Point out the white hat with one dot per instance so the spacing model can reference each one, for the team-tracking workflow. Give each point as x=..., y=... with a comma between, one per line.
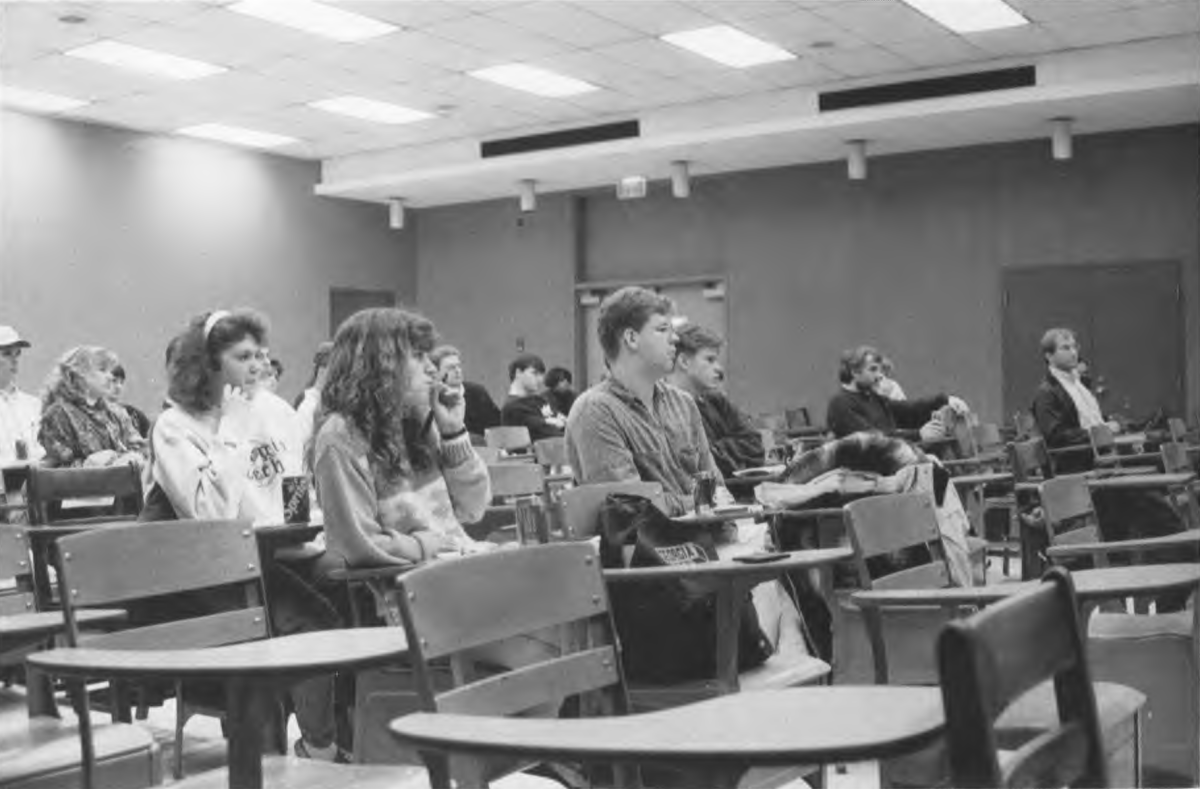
x=10, y=338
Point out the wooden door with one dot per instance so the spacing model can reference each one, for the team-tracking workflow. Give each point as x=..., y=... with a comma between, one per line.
x=1129, y=321
x=344, y=302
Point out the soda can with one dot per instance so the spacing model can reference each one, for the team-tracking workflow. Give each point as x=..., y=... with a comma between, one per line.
x=295, y=499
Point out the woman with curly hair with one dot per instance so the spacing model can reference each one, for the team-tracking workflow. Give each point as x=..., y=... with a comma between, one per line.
x=395, y=471
x=218, y=452
x=80, y=426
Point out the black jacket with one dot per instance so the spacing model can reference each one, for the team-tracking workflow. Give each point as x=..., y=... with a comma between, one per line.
x=531, y=411
x=482, y=412
x=1058, y=421
x=735, y=442
x=858, y=411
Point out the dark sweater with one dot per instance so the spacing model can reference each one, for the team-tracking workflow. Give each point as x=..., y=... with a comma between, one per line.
x=535, y=413
x=1058, y=421
x=858, y=411
x=482, y=412
x=735, y=442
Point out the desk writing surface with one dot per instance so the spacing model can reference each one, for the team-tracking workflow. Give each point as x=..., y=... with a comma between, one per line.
x=1134, y=481
x=734, y=569
x=310, y=653
x=811, y=724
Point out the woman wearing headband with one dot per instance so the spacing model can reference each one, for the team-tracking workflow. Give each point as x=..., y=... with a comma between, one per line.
x=80, y=427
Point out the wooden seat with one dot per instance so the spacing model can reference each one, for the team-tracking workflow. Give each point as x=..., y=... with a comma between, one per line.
x=1105, y=454
x=1157, y=654
x=581, y=520
x=509, y=439
x=1186, y=500
x=988, y=661
x=117, y=491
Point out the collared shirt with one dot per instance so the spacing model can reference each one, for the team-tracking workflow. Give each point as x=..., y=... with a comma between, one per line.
x=1085, y=401
x=613, y=437
x=20, y=415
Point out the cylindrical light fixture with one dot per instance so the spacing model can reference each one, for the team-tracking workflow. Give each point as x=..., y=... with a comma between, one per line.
x=856, y=160
x=396, y=213
x=1060, y=138
x=527, y=193
x=681, y=184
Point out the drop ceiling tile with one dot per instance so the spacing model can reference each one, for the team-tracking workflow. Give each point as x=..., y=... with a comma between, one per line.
x=78, y=78
x=565, y=22
x=489, y=120
x=594, y=67
x=145, y=113
x=652, y=17
x=941, y=50
x=1016, y=42
x=646, y=93
x=735, y=12
x=438, y=51
x=794, y=73
x=499, y=39
x=1046, y=10
x=864, y=62
x=330, y=147
x=41, y=21
x=159, y=10
x=731, y=83
x=1086, y=31
x=659, y=57
x=1167, y=19
x=380, y=63
x=881, y=23
x=799, y=30
x=412, y=14
x=226, y=38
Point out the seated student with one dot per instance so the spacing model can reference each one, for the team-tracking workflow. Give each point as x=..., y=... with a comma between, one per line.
x=396, y=474
x=559, y=390
x=636, y=426
x=80, y=425
x=482, y=412
x=141, y=422
x=218, y=455
x=859, y=407
x=308, y=402
x=734, y=441
x=20, y=412
x=527, y=404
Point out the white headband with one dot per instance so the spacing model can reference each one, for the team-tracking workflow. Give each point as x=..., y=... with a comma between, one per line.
x=214, y=317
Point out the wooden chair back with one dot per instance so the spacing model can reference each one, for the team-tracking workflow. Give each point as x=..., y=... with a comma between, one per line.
x=882, y=528
x=15, y=568
x=1175, y=458
x=489, y=455
x=988, y=438
x=1070, y=516
x=1103, y=440
x=551, y=453
x=515, y=479
x=581, y=504
x=1177, y=428
x=797, y=418
x=989, y=660
x=1024, y=425
x=550, y=598
x=117, y=489
x=509, y=438
x=1029, y=460
x=162, y=558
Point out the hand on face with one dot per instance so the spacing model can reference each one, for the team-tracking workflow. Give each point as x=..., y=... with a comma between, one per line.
x=449, y=409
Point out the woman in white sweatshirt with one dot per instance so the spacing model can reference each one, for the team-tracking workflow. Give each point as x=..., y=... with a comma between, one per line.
x=217, y=455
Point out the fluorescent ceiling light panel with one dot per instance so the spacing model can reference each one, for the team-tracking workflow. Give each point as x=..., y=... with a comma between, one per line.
x=37, y=101
x=371, y=110
x=323, y=20
x=159, y=64
x=236, y=135
x=729, y=45
x=534, y=80
x=970, y=16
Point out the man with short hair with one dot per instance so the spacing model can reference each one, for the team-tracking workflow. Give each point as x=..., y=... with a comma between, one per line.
x=1063, y=406
x=635, y=425
x=482, y=412
x=140, y=421
x=859, y=407
x=20, y=413
x=734, y=441
x=527, y=404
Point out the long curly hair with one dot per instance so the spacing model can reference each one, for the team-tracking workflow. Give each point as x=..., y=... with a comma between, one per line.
x=194, y=357
x=366, y=385
x=65, y=381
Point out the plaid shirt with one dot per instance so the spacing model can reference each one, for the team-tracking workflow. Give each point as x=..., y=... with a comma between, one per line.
x=613, y=437
x=73, y=430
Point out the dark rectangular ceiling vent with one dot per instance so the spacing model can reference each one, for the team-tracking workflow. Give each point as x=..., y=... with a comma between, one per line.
x=937, y=87
x=561, y=139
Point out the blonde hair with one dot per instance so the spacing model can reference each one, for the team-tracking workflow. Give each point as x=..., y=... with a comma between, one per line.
x=66, y=382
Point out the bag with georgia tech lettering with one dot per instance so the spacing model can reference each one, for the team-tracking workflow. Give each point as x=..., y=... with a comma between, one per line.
x=667, y=628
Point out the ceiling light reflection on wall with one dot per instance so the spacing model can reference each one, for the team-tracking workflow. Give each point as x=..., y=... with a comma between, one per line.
x=681, y=184
x=1060, y=138
x=631, y=187
x=371, y=110
x=856, y=160
x=317, y=18
x=729, y=46
x=970, y=16
x=396, y=213
x=236, y=135
x=527, y=195
x=37, y=101
x=534, y=80
x=149, y=61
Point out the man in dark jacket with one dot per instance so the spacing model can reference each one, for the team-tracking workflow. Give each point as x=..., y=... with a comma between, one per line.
x=482, y=412
x=734, y=441
x=527, y=404
x=858, y=407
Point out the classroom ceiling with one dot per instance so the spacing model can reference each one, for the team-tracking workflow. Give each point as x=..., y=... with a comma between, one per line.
x=718, y=117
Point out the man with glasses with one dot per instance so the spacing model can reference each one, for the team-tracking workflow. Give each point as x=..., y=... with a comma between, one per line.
x=20, y=413
x=858, y=406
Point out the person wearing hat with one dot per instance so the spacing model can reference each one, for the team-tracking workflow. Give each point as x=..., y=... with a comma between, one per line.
x=20, y=412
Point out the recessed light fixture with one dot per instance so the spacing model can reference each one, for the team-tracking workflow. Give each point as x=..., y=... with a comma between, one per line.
x=160, y=64
x=318, y=18
x=728, y=45
x=37, y=101
x=370, y=110
x=970, y=16
x=236, y=135
x=534, y=80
